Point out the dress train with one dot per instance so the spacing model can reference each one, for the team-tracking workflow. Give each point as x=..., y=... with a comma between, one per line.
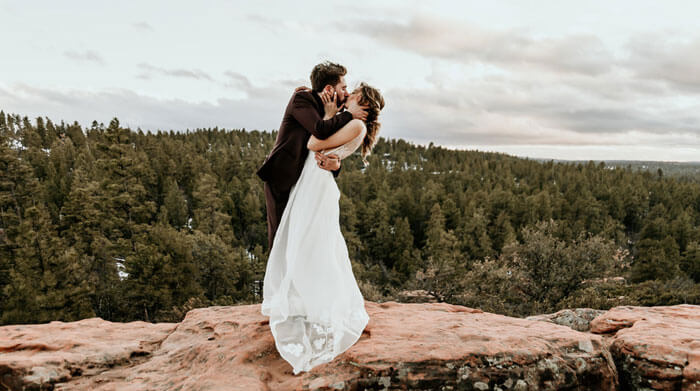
x=310, y=293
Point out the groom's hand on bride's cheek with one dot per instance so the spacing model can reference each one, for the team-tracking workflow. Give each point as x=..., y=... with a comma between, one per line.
x=358, y=111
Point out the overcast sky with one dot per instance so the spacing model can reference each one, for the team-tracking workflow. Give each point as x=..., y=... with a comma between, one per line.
x=551, y=79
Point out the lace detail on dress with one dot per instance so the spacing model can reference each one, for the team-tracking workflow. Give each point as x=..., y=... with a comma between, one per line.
x=348, y=148
x=320, y=338
x=293, y=348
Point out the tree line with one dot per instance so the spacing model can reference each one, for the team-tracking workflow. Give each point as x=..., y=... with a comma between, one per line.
x=132, y=225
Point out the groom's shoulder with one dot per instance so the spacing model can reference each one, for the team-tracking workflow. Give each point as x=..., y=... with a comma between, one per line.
x=303, y=101
x=303, y=96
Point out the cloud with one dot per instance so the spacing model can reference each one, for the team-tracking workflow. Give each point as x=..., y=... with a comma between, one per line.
x=585, y=107
x=232, y=80
x=238, y=81
x=7, y=9
x=514, y=111
x=269, y=24
x=149, y=70
x=487, y=87
x=143, y=26
x=275, y=89
x=674, y=62
x=86, y=55
x=461, y=42
x=262, y=110
x=509, y=87
x=421, y=116
x=647, y=64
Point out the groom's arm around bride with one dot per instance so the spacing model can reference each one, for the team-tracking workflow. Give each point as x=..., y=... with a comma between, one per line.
x=302, y=118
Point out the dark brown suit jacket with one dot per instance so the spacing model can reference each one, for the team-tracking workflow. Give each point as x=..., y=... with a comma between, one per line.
x=283, y=165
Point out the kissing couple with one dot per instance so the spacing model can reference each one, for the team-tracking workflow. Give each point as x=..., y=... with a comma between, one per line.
x=313, y=302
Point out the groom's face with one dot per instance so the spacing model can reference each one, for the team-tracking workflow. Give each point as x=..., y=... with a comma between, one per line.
x=342, y=90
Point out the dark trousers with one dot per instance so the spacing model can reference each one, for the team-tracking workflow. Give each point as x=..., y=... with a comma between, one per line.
x=275, y=201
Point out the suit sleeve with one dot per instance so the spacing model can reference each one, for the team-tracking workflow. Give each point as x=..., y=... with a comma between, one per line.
x=336, y=172
x=305, y=112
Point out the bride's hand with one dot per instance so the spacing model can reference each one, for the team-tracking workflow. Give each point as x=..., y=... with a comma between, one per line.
x=327, y=162
x=330, y=105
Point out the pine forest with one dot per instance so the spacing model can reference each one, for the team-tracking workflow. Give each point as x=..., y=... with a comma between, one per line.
x=145, y=225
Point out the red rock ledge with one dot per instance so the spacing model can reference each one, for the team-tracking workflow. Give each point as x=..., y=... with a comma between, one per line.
x=429, y=346
x=655, y=348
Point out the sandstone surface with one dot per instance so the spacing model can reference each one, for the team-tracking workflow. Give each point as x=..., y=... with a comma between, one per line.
x=430, y=346
x=654, y=348
x=38, y=356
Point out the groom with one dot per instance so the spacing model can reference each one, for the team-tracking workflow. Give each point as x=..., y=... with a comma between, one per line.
x=303, y=118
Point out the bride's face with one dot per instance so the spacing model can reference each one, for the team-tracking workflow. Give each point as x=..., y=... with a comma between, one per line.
x=355, y=96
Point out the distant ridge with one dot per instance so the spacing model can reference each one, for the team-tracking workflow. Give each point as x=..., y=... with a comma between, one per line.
x=667, y=167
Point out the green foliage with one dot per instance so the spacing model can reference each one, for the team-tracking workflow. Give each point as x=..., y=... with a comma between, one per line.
x=691, y=261
x=536, y=275
x=657, y=259
x=125, y=225
x=444, y=275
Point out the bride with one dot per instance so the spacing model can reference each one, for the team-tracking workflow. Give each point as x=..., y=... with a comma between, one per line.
x=315, y=307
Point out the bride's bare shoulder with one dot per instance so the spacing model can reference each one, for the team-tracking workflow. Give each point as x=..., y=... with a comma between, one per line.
x=359, y=127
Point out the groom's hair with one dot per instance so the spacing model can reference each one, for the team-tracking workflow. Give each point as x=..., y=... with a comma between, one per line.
x=326, y=73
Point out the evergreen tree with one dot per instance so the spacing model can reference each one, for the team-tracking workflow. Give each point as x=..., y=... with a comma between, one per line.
x=46, y=283
x=219, y=267
x=175, y=204
x=123, y=196
x=207, y=209
x=82, y=229
x=406, y=259
x=691, y=261
x=656, y=259
x=377, y=238
x=160, y=273
x=445, y=267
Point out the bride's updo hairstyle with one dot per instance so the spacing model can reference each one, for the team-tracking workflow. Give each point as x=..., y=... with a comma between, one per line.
x=371, y=97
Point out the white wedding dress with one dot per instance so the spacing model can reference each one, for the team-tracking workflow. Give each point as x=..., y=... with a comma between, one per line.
x=310, y=293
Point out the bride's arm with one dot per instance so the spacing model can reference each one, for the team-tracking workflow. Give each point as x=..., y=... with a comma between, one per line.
x=348, y=132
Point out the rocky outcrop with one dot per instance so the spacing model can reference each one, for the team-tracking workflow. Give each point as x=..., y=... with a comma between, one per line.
x=36, y=357
x=405, y=346
x=654, y=347
x=578, y=319
x=416, y=296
